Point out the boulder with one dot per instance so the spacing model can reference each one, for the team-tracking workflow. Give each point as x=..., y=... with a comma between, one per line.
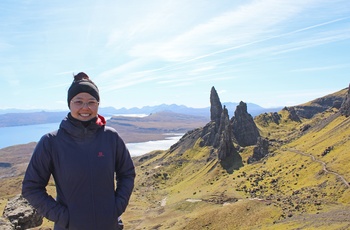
x=21, y=214
x=5, y=224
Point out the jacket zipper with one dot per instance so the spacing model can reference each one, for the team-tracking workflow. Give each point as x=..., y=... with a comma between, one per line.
x=92, y=192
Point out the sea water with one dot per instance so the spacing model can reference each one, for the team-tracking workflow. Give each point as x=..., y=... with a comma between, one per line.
x=32, y=133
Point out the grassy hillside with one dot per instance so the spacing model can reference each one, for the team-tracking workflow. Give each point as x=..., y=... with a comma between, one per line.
x=303, y=184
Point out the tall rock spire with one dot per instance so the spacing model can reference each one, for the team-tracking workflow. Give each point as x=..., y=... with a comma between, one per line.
x=244, y=128
x=215, y=106
x=228, y=156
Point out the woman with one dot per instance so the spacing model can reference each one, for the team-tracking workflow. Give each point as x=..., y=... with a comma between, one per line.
x=84, y=157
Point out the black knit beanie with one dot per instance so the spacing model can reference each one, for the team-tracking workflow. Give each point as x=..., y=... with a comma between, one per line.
x=82, y=84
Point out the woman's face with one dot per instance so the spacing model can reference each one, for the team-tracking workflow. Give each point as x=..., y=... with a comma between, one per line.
x=84, y=107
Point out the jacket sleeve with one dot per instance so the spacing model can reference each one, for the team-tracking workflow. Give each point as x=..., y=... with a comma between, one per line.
x=125, y=176
x=35, y=181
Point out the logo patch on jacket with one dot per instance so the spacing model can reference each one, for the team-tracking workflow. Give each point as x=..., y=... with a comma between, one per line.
x=100, y=154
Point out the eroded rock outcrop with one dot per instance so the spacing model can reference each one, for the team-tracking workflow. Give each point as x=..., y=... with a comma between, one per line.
x=292, y=114
x=222, y=134
x=21, y=214
x=211, y=132
x=244, y=128
x=228, y=155
x=260, y=151
x=345, y=106
x=216, y=134
x=215, y=106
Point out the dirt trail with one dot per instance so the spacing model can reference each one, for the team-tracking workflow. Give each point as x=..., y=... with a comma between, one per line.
x=324, y=165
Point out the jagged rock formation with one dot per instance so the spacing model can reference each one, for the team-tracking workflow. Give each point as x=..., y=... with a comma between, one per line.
x=292, y=114
x=276, y=117
x=21, y=214
x=216, y=134
x=224, y=138
x=228, y=155
x=260, y=150
x=244, y=128
x=212, y=132
x=345, y=106
x=215, y=106
x=266, y=118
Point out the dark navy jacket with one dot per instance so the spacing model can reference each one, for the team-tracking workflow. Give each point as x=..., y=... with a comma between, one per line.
x=84, y=162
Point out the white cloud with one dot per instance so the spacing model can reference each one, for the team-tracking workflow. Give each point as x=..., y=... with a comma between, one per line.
x=322, y=68
x=239, y=26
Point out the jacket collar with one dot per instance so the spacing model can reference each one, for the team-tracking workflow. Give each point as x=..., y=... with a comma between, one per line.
x=78, y=130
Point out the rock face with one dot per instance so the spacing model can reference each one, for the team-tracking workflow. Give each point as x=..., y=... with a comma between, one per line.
x=292, y=114
x=228, y=155
x=260, y=151
x=267, y=118
x=345, y=107
x=215, y=105
x=244, y=128
x=318, y=105
x=5, y=224
x=21, y=214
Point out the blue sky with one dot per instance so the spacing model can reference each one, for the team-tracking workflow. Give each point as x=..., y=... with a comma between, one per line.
x=268, y=52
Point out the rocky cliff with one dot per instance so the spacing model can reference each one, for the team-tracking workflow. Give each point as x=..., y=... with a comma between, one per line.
x=345, y=106
x=319, y=105
x=260, y=151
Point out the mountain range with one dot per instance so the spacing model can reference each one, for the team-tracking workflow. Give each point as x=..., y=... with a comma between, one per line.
x=15, y=117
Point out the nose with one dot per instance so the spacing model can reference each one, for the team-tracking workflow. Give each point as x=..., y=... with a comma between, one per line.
x=85, y=104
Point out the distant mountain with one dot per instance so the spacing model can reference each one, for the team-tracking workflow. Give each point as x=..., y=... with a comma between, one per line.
x=13, y=110
x=253, y=109
x=15, y=117
x=30, y=118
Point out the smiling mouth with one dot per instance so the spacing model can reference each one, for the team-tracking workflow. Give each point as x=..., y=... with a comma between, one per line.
x=85, y=114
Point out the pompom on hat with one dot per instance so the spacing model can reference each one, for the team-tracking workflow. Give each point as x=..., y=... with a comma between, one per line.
x=82, y=84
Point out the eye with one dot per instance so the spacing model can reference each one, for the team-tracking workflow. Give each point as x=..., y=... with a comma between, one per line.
x=78, y=103
x=92, y=103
